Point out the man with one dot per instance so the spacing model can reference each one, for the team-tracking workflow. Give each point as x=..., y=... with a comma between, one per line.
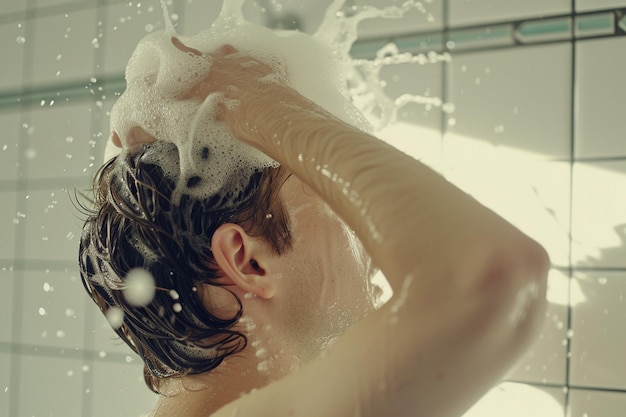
x=271, y=297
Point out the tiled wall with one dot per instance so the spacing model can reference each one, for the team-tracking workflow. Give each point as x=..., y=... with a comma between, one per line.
x=534, y=130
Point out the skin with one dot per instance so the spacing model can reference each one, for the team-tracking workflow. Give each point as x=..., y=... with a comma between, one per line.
x=455, y=323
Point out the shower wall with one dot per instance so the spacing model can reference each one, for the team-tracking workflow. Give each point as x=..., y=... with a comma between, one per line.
x=530, y=122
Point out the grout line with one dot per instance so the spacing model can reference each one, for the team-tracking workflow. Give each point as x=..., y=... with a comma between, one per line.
x=19, y=242
x=445, y=69
x=567, y=388
x=92, y=355
x=598, y=269
x=568, y=360
x=601, y=389
x=38, y=184
x=32, y=12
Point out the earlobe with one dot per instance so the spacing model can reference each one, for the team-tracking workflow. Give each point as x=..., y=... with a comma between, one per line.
x=243, y=260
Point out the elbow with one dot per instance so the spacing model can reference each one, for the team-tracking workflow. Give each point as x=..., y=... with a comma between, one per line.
x=518, y=287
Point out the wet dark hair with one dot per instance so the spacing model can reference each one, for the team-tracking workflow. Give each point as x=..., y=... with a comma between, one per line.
x=136, y=223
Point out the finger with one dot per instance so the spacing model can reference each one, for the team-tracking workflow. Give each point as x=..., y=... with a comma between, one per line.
x=226, y=50
x=115, y=138
x=184, y=48
x=137, y=136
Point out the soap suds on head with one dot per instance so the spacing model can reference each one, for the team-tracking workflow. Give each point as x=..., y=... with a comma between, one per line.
x=211, y=159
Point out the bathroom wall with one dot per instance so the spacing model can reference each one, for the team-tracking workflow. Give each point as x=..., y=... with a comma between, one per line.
x=530, y=122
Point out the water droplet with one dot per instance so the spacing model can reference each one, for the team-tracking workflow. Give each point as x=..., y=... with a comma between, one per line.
x=140, y=287
x=448, y=108
x=60, y=334
x=602, y=280
x=69, y=139
x=69, y=312
x=177, y=308
x=115, y=317
x=42, y=311
x=21, y=40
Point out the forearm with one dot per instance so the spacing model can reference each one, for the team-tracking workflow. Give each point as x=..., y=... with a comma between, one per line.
x=407, y=216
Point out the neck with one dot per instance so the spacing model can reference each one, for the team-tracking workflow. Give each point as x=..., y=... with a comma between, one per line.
x=261, y=363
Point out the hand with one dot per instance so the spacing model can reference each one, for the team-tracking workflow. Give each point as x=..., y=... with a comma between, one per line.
x=252, y=84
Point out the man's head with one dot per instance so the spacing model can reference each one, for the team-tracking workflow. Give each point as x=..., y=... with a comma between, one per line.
x=280, y=256
x=135, y=224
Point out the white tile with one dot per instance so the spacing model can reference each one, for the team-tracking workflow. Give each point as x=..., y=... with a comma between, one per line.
x=119, y=390
x=9, y=216
x=12, y=43
x=6, y=305
x=587, y=5
x=519, y=99
x=64, y=49
x=598, y=345
x=598, y=221
x=50, y=386
x=13, y=6
x=6, y=391
x=589, y=403
x=545, y=361
x=428, y=17
x=10, y=126
x=59, y=145
x=532, y=195
x=417, y=131
x=520, y=400
x=125, y=25
x=470, y=12
x=52, y=225
x=601, y=98
x=53, y=310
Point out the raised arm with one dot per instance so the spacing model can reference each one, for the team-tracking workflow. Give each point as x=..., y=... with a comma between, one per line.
x=469, y=288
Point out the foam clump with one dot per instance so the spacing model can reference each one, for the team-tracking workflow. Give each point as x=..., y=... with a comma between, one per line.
x=210, y=158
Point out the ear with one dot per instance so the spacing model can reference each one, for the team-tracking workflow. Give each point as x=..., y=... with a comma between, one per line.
x=243, y=259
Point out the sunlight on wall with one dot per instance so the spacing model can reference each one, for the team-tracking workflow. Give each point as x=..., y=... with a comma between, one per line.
x=516, y=400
